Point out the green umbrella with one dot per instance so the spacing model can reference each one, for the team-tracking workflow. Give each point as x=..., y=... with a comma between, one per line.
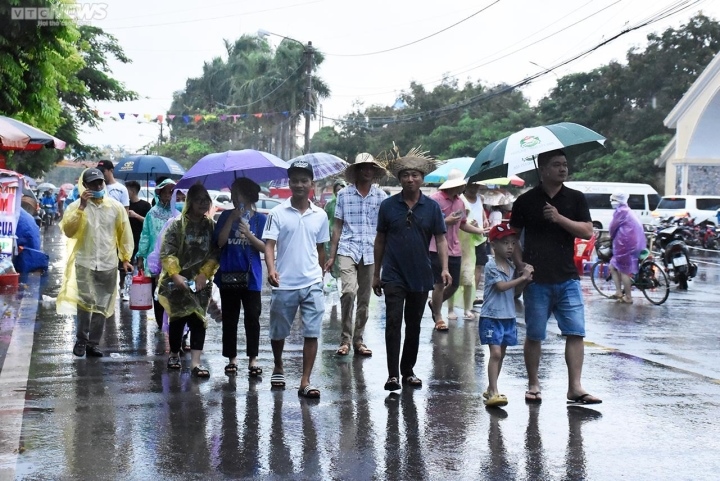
x=517, y=153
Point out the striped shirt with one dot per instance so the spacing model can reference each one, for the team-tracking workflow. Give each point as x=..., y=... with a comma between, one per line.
x=359, y=215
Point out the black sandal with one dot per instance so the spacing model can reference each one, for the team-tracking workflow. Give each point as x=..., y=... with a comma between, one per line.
x=200, y=371
x=174, y=363
x=255, y=371
x=231, y=368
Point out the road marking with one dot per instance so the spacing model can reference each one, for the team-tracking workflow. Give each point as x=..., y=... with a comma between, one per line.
x=14, y=377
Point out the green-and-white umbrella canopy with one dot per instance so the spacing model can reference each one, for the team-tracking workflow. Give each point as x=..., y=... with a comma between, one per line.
x=517, y=153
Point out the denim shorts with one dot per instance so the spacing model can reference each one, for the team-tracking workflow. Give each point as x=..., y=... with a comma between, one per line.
x=498, y=332
x=284, y=305
x=563, y=300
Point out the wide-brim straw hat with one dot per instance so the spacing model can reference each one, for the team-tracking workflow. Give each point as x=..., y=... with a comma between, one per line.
x=360, y=160
x=455, y=178
x=415, y=159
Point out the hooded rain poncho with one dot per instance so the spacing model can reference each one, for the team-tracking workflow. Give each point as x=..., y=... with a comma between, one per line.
x=628, y=240
x=97, y=236
x=187, y=249
x=154, y=222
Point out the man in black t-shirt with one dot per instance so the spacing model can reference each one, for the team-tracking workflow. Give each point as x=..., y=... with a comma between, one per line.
x=137, y=211
x=550, y=217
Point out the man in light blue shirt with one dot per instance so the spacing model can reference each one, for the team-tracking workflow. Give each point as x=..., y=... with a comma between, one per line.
x=353, y=239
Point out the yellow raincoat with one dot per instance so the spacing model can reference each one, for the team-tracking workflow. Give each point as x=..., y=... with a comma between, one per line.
x=187, y=249
x=96, y=236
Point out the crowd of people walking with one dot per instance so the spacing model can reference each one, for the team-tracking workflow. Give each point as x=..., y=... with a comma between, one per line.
x=411, y=248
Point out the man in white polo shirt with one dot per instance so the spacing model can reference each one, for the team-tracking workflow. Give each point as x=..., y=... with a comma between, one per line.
x=299, y=229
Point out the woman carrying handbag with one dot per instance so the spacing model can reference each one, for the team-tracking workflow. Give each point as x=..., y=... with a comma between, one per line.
x=238, y=234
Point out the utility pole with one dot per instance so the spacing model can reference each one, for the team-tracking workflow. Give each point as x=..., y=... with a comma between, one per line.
x=309, y=53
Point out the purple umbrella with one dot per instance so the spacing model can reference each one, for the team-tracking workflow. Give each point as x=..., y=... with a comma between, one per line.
x=323, y=165
x=216, y=171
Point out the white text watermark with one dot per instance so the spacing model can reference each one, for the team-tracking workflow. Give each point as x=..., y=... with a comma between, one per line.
x=59, y=14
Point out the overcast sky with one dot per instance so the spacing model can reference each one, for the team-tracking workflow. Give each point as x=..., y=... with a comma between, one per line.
x=168, y=41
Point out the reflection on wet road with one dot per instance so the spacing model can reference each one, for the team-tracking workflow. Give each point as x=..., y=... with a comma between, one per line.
x=126, y=417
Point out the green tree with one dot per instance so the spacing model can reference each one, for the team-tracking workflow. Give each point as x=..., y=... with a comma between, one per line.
x=627, y=103
x=51, y=75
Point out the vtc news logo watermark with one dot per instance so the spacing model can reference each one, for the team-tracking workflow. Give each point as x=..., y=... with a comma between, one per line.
x=56, y=15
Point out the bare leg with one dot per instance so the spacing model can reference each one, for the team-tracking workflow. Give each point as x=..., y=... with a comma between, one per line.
x=494, y=366
x=310, y=348
x=627, y=285
x=532, y=351
x=451, y=309
x=277, y=349
x=616, y=279
x=574, y=355
x=195, y=357
x=437, y=300
x=468, y=298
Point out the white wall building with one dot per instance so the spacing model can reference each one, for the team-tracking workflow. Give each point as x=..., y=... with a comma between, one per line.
x=692, y=158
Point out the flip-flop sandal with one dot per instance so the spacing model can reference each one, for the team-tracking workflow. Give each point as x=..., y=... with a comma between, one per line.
x=535, y=399
x=200, y=371
x=413, y=381
x=309, y=392
x=363, y=350
x=174, y=363
x=441, y=326
x=452, y=317
x=255, y=371
x=497, y=400
x=231, y=368
x=343, y=350
x=392, y=384
x=277, y=380
x=583, y=399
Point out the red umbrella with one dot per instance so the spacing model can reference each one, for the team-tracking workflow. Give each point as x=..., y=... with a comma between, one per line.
x=16, y=135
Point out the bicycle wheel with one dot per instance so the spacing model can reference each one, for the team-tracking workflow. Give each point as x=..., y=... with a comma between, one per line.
x=601, y=279
x=653, y=282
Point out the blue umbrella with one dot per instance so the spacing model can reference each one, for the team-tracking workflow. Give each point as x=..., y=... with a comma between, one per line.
x=439, y=175
x=146, y=167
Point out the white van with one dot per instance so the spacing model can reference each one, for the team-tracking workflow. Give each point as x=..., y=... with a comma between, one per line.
x=700, y=207
x=642, y=199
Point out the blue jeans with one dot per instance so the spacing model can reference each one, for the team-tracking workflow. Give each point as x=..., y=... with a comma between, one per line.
x=563, y=300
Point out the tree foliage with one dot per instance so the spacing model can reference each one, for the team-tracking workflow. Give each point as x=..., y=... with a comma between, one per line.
x=50, y=75
x=628, y=102
x=254, y=78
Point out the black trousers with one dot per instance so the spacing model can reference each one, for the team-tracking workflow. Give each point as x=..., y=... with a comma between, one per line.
x=157, y=307
x=231, y=300
x=401, y=303
x=197, y=332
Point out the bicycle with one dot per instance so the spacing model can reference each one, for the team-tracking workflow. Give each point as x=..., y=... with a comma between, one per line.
x=650, y=279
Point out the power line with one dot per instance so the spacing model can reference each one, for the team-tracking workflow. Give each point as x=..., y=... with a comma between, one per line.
x=519, y=42
x=442, y=111
x=414, y=41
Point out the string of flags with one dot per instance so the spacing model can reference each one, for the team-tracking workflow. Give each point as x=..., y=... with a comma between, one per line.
x=190, y=118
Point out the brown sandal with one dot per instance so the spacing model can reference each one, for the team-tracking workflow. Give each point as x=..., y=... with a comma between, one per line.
x=343, y=350
x=363, y=350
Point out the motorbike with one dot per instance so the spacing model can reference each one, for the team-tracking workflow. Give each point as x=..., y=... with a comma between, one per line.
x=709, y=235
x=47, y=215
x=675, y=255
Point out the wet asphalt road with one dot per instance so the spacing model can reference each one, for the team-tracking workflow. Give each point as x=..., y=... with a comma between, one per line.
x=126, y=417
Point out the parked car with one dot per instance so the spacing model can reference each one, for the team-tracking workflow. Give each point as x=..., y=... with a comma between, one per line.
x=265, y=204
x=702, y=208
